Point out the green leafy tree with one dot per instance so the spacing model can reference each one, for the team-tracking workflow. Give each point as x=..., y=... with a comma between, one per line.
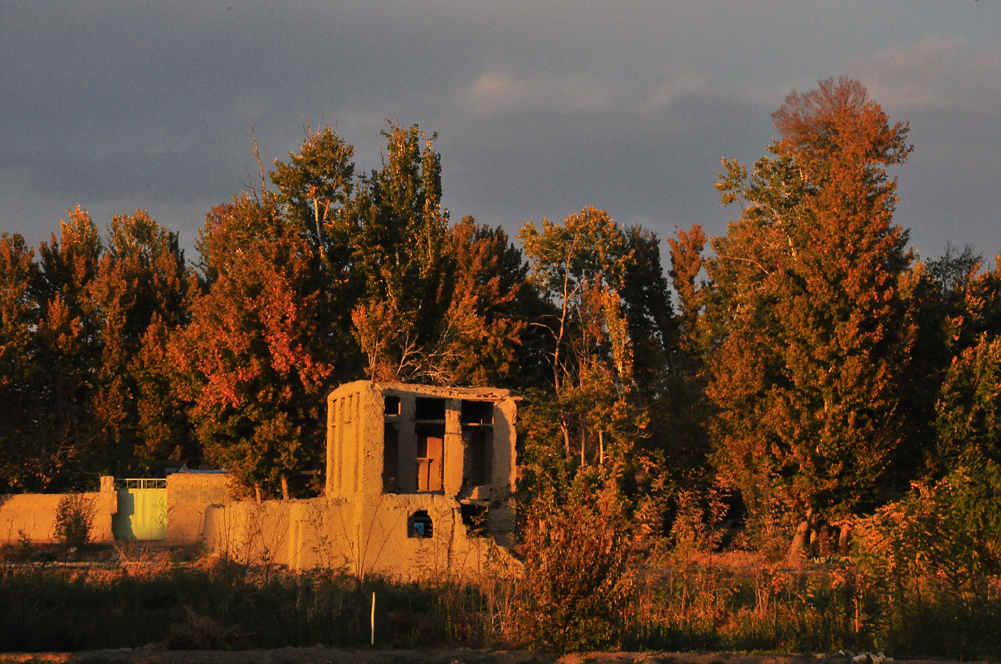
x=969, y=406
x=314, y=193
x=486, y=319
x=19, y=313
x=141, y=288
x=315, y=184
x=399, y=259
x=67, y=354
x=807, y=341
x=653, y=330
x=579, y=267
x=687, y=410
x=249, y=362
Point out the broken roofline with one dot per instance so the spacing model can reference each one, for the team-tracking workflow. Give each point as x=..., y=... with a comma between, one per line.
x=400, y=438
x=473, y=393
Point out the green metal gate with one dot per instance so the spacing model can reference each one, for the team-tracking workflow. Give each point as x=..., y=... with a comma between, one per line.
x=142, y=510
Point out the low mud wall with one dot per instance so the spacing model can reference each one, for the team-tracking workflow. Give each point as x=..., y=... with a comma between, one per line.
x=31, y=517
x=296, y=534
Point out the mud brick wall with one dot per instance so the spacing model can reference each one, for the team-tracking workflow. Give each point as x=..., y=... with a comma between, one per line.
x=188, y=496
x=32, y=516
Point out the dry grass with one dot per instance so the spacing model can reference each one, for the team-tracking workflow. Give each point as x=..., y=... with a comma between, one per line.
x=679, y=603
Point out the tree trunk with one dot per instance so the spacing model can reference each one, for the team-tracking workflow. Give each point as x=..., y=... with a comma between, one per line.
x=285, y=488
x=257, y=493
x=844, y=532
x=799, y=540
x=566, y=437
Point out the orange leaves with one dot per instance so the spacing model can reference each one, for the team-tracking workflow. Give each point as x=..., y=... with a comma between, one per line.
x=807, y=338
x=253, y=356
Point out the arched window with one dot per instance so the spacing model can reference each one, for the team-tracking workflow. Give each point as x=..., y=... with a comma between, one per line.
x=421, y=525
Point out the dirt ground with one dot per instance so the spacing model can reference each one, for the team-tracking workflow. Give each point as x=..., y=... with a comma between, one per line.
x=365, y=656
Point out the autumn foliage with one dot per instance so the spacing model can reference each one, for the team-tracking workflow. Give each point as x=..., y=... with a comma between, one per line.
x=802, y=376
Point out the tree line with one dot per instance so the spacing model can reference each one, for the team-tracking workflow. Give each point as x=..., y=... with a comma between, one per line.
x=805, y=365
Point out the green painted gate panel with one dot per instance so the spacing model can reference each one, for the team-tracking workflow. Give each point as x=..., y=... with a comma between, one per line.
x=142, y=510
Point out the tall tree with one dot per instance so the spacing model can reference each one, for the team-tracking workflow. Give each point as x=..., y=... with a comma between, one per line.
x=486, y=319
x=685, y=411
x=399, y=257
x=807, y=336
x=579, y=266
x=67, y=355
x=315, y=184
x=18, y=369
x=250, y=361
x=141, y=281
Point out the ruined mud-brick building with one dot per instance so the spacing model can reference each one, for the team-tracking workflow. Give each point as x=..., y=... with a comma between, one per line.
x=418, y=479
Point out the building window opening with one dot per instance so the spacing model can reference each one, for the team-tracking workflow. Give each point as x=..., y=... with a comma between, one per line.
x=392, y=406
x=430, y=410
x=421, y=525
x=477, y=412
x=391, y=458
x=474, y=518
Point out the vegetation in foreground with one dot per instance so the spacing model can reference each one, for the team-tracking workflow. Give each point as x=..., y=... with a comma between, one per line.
x=676, y=603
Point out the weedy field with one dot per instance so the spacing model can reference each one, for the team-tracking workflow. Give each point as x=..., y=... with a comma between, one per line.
x=146, y=600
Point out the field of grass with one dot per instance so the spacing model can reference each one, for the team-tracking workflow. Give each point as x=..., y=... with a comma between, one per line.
x=207, y=603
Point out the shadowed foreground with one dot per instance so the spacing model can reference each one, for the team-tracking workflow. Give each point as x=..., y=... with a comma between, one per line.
x=320, y=655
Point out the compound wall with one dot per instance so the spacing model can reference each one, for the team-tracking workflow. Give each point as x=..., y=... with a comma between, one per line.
x=31, y=517
x=189, y=495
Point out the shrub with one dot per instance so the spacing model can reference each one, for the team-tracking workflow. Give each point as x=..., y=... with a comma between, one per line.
x=576, y=583
x=74, y=518
x=201, y=633
x=930, y=562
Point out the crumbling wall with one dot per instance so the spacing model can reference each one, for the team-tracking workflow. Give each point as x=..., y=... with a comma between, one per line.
x=297, y=534
x=367, y=535
x=387, y=543
x=188, y=497
x=31, y=517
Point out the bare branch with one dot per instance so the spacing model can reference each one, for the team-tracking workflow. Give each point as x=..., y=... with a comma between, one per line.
x=260, y=164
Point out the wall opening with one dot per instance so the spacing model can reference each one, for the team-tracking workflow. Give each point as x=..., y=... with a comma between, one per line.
x=421, y=525
x=477, y=412
x=430, y=410
x=392, y=406
x=478, y=466
x=430, y=449
x=474, y=518
x=477, y=419
x=391, y=458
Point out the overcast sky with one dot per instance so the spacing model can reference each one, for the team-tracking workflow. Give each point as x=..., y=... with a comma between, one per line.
x=541, y=108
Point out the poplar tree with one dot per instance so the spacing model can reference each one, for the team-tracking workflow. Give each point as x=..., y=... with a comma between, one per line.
x=579, y=267
x=807, y=341
x=19, y=314
x=399, y=259
x=140, y=290
x=57, y=437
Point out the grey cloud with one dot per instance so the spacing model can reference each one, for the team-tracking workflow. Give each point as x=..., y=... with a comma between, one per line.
x=541, y=109
x=949, y=91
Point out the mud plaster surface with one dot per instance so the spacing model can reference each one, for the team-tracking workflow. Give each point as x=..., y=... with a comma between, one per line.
x=460, y=656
